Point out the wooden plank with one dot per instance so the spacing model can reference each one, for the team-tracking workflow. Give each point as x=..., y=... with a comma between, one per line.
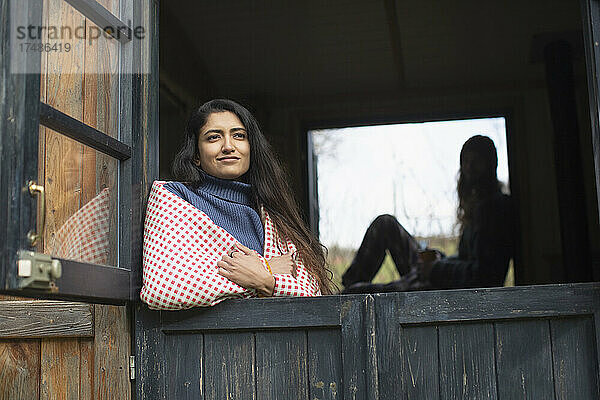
x=6, y=87
x=88, y=282
x=183, y=357
x=259, y=313
x=229, y=366
x=390, y=351
x=130, y=218
x=112, y=348
x=324, y=363
x=142, y=127
x=558, y=58
x=420, y=371
x=101, y=283
x=41, y=176
x=149, y=344
x=59, y=369
x=496, y=303
x=372, y=373
x=8, y=298
x=467, y=367
x=29, y=319
x=281, y=370
x=591, y=29
x=354, y=347
x=101, y=111
x=574, y=356
x=596, y=319
x=524, y=360
x=19, y=369
x=86, y=369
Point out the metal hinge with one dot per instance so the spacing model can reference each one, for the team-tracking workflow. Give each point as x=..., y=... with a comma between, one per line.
x=132, y=368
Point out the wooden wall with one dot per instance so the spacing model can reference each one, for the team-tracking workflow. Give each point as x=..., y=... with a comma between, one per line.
x=63, y=350
x=85, y=358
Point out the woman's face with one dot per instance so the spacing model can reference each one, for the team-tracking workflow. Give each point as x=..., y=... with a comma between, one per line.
x=223, y=146
x=473, y=166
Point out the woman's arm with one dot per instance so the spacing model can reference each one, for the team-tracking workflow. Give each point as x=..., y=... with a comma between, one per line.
x=247, y=269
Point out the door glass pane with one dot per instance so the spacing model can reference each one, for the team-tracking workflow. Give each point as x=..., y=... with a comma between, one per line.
x=80, y=69
x=81, y=80
x=81, y=200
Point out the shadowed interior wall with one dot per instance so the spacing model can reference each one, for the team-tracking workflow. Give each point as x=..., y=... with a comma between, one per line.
x=478, y=72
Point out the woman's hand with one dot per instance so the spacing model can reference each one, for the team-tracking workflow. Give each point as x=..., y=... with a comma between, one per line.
x=283, y=264
x=245, y=268
x=425, y=262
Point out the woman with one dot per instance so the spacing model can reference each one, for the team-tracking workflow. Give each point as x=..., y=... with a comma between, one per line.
x=486, y=242
x=230, y=227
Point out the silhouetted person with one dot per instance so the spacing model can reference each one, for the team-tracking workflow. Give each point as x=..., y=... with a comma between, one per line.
x=485, y=217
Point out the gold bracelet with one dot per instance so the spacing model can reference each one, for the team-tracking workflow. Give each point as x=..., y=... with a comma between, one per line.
x=269, y=267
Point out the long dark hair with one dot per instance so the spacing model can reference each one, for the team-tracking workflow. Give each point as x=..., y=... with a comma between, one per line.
x=268, y=181
x=472, y=191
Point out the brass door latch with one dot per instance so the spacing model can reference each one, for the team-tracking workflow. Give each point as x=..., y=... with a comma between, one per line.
x=34, y=189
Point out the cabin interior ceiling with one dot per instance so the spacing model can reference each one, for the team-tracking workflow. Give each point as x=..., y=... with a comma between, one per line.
x=315, y=63
x=285, y=50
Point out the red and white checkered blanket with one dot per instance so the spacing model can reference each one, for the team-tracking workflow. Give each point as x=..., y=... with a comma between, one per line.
x=182, y=246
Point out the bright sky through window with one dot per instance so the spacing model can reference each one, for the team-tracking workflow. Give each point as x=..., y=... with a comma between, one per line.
x=407, y=170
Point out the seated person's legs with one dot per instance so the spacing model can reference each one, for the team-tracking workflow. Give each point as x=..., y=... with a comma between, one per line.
x=384, y=233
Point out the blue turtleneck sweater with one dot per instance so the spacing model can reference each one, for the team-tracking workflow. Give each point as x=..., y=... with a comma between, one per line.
x=228, y=204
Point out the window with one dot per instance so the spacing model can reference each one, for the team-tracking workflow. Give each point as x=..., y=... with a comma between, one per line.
x=408, y=170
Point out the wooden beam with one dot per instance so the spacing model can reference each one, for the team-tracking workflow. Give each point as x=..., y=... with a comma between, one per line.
x=258, y=314
x=103, y=18
x=37, y=319
x=591, y=26
x=391, y=14
x=539, y=301
x=77, y=130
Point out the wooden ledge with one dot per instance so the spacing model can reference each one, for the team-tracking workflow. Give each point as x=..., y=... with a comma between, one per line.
x=36, y=319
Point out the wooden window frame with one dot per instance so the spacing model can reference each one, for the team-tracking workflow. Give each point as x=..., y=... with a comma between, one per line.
x=507, y=113
x=21, y=115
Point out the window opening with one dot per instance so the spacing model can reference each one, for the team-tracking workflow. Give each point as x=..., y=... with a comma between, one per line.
x=408, y=170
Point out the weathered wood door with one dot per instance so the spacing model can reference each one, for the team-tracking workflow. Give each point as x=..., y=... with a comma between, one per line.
x=311, y=348
x=503, y=343
x=77, y=126
x=63, y=350
x=506, y=343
